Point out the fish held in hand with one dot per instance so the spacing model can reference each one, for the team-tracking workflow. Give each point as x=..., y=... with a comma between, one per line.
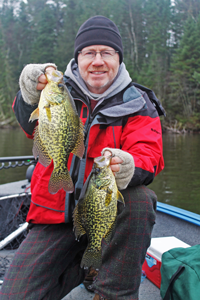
x=96, y=211
x=59, y=131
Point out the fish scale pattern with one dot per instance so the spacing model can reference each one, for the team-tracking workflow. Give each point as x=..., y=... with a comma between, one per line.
x=96, y=213
x=60, y=132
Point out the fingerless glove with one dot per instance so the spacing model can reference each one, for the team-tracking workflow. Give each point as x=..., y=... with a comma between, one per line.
x=127, y=167
x=28, y=81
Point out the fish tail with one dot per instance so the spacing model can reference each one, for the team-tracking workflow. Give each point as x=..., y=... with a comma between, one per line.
x=60, y=180
x=91, y=258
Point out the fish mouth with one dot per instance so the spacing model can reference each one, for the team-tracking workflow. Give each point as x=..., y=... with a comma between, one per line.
x=54, y=75
x=102, y=161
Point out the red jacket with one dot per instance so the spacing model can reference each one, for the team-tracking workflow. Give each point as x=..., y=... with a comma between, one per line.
x=128, y=121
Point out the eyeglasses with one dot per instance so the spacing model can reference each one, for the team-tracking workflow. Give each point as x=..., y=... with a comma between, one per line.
x=105, y=54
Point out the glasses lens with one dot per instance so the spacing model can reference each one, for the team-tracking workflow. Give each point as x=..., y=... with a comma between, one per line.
x=106, y=54
x=89, y=54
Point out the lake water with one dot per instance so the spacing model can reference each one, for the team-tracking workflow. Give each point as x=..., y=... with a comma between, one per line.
x=178, y=184
x=13, y=142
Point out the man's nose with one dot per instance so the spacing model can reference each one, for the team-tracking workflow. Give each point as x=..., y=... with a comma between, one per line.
x=98, y=60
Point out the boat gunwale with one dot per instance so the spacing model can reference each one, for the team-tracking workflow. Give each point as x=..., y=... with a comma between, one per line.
x=180, y=213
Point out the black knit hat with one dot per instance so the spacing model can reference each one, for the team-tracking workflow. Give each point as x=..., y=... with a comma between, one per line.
x=98, y=30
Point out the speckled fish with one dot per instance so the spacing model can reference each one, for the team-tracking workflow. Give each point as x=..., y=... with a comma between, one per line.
x=96, y=211
x=60, y=131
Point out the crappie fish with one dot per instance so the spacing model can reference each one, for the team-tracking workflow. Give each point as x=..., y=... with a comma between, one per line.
x=96, y=211
x=60, y=131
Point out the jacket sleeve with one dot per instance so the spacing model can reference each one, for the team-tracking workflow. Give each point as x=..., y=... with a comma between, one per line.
x=142, y=138
x=22, y=112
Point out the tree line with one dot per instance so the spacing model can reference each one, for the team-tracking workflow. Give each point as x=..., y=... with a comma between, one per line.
x=161, y=41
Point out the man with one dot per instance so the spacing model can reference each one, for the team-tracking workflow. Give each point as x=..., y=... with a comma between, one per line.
x=120, y=119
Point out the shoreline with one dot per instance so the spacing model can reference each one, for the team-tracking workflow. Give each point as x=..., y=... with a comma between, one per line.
x=173, y=127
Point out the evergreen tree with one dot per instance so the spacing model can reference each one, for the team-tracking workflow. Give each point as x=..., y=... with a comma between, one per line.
x=66, y=36
x=157, y=19
x=196, y=76
x=7, y=84
x=186, y=61
x=181, y=10
x=8, y=24
x=132, y=28
x=23, y=37
x=44, y=33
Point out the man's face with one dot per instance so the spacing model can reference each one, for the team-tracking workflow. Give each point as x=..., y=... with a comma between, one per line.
x=98, y=73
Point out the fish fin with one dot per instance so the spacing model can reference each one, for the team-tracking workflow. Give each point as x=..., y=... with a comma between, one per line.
x=79, y=146
x=35, y=115
x=91, y=258
x=120, y=198
x=78, y=228
x=48, y=112
x=47, y=106
x=108, y=198
x=60, y=180
x=39, y=149
x=109, y=234
x=84, y=189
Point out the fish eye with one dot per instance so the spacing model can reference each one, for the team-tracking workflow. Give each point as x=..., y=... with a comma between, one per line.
x=60, y=85
x=97, y=170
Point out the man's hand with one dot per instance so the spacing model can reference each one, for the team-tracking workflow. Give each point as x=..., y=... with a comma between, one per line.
x=122, y=164
x=114, y=162
x=32, y=80
x=42, y=81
